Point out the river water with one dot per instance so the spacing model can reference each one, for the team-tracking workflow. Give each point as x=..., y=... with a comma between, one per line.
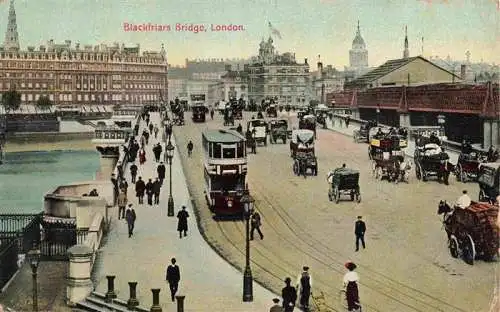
x=25, y=177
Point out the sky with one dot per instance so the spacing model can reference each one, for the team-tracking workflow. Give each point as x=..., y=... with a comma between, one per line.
x=308, y=28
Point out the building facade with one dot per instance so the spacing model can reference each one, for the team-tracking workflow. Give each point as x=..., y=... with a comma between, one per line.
x=279, y=77
x=326, y=80
x=82, y=75
x=235, y=85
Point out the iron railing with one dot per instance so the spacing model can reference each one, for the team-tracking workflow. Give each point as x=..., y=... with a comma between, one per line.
x=57, y=241
x=9, y=249
x=25, y=228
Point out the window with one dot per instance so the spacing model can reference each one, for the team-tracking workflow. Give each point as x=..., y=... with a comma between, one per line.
x=229, y=152
x=37, y=85
x=51, y=97
x=44, y=85
x=86, y=97
x=79, y=97
x=30, y=85
x=217, y=150
x=23, y=85
x=23, y=97
x=30, y=97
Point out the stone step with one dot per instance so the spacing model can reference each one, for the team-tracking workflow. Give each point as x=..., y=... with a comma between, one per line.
x=87, y=306
x=117, y=301
x=109, y=306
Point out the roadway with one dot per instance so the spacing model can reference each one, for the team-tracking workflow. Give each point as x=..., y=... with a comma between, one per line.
x=406, y=265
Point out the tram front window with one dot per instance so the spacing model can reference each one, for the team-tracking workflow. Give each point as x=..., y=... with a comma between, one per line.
x=228, y=183
x=229, y=152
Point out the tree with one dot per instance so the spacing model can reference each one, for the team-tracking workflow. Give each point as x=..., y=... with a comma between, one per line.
x=11, y=100
x=44, y=103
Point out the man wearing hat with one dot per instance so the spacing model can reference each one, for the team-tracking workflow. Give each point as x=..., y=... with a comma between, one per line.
x=359, y=231
x=289, y=295
x=130, y=217
x=276, y=307
x=304, y=283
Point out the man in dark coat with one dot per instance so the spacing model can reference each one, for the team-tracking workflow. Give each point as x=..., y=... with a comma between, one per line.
x=136, y=129
x=156, y=191
x=114, y=181
x=149, y=192
x=161, y=172
x=124, y=186
x=182, y=225
x=140, y=187
x=151, y=127
x=173, y=278
x=130, y=216
x=157, y=151
x=289, y=295
x=359, y=231
x=255, y=224
x=276, y=307
x=133, y=171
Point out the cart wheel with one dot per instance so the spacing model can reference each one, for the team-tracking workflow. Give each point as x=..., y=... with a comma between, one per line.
x=369, y=153
x=469, y=250
x=453, y=246
x=463, y=175
x=330, y=195
x=295, y=169
x=337, y=195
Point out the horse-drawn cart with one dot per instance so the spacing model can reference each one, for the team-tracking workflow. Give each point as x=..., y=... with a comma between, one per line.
x=431, y=160
x=489, y=182
x=278, y=129
x=361, y=135
x=472, y=232
x=388, y=158
x=343, y=181
x=303, y=161
x=467, y=167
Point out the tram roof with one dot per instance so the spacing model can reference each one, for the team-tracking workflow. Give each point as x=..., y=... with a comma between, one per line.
x=223, y=136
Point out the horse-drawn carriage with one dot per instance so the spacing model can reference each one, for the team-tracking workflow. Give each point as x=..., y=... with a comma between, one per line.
x=362, y=135
x=388, y=158
x=278, y=129
x=343, y=181
x=472, y=232
x=303, y=160
x=467, y=167
x=308, y=122
x=301, y=113
x=258, y=128
x=488, y=179
x=301, y=139
x=431, y=160
x=272, y=111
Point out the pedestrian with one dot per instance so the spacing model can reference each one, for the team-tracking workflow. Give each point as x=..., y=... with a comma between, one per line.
x=114, y=181
x=151, y=128
x=142, y=156
x=351, y=280
x=156, y=191
x=276, y=307
x=256, y=223
x=157, y=152
x=212, y=113
x=161, y=172
x=124, y=186
x=146, y=136
x=156, y=130
x=289, y=295
x=122, y=203
x=182, y=225
x=133, y=172
x=143, y=140
x=140, y=187
x=130, y=216
x=149, y=192
x=190, y=147
x=304, y=283
x=347, y=120
x=359, y=231
x=119, y=167
x=173, y=278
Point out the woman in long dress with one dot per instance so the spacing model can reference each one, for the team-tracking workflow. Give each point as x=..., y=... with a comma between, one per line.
x=351, y=279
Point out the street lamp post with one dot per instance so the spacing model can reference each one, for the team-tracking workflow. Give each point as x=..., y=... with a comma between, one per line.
x=169, y=150
x=34, y=259
x=247, y=201
x=378, y=115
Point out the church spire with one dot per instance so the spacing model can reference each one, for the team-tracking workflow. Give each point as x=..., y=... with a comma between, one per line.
x=11, y=41
x=406, y=52
x=359, y=31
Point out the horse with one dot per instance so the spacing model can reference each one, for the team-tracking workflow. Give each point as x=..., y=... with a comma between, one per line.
x=447, y=211
x=444, y=170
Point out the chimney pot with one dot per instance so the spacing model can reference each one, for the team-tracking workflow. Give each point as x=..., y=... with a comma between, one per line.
x=463, y=70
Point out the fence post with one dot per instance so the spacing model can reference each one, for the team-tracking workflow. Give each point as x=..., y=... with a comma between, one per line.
x=110, y=295
x=79, y=284
x=180, y=303
x=132, y=301
x=156, y=300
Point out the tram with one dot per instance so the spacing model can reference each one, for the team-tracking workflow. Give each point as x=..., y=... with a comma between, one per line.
x=225, y=166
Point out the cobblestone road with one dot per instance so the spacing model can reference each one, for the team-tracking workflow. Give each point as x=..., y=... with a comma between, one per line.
x=406, y=266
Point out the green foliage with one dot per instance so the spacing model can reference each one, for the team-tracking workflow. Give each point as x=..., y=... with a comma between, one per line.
x=44, y=103
x=11, y=100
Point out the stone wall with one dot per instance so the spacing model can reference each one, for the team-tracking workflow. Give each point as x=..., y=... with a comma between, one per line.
x=47, y=137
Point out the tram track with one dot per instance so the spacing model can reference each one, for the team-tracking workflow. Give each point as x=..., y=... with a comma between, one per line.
x=269, y=262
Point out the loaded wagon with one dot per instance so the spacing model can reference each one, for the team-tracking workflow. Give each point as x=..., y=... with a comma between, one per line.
x=473, y=232
x=343, y=181
x=278, y=129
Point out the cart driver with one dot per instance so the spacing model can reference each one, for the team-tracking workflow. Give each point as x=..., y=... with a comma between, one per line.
x=379, y=133
x=463, y=201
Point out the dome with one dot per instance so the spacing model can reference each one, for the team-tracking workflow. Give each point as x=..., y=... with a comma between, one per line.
x=358, y=40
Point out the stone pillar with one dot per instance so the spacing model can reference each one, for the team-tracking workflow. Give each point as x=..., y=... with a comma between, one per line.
x=180, y=303
x=110, y=294
x=156, y=300
x=109, y=159
x=404, y=120
x=487, y=133
x=132, y=302
x=79, y=284
x=355, y=113
x=495, y=134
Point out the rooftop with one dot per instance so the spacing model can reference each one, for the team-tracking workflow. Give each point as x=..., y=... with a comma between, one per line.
x=223, y=136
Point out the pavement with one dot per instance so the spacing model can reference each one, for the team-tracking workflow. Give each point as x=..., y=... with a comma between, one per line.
x=406, y=265
x=208, y=282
